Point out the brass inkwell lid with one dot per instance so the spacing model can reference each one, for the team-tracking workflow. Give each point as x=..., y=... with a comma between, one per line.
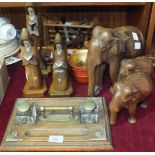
x=22, y=108
x=89, y=107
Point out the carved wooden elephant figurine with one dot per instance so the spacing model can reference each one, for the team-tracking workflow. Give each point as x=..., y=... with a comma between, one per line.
x=134, y=89
x=109, y=46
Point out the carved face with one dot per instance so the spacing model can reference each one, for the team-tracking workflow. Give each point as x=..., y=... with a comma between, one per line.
x=58, y=49
x=31, y=11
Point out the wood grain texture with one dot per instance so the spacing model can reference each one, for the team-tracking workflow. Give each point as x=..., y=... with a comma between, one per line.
x=143, y=19
x=153, y=44
x=15, y=15
x=111, y=15
x=150, y=40
x=22, y=4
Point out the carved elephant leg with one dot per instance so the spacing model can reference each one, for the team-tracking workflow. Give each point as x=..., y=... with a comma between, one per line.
x=114, y=66
x=100, y=69
x=94, y=58
x=113, y=111
x=91, y=79
x=132, y=113
x=113, y=117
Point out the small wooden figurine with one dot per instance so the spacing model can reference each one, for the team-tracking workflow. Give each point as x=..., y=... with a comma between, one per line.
x=32, y=23
x=61, y=85
x=35, y=84
x=109, y=46
x=32, y=19
x=133, y=87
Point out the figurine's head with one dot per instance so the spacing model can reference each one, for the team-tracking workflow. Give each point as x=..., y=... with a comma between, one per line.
x=30, y=11
x=57, y=38
x=30, y=8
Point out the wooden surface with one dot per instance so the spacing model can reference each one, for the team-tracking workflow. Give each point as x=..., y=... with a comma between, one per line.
x=56, y=93
x=22, y=4
x=143, y=19
x=153, y=44
x=150, y=42
x=76, y=135
x=62, y=25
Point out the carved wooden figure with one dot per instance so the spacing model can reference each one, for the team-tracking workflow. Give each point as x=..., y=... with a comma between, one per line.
x=33, y=26
x=35, y=84
x=109, y=46
x=133, y=87
x=32, y=19
x=61, y=85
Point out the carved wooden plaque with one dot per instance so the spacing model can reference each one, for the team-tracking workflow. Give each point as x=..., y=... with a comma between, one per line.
x=58, y=124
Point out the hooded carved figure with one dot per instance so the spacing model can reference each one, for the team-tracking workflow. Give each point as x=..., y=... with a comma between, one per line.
x=30, y=61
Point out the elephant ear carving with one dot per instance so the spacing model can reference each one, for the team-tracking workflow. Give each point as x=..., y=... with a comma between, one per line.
x=123, y=38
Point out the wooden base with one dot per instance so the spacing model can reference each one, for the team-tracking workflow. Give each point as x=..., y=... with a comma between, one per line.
x=77, y=136
x=35, y=93
x=54, y=93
